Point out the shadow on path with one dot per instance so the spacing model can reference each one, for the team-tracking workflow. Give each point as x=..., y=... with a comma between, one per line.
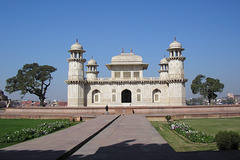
x=124, y=151
x=30, y=155
x=127, y=151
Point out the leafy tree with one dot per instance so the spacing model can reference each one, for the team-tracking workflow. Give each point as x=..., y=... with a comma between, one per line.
x=206, y=88
x=33, y=79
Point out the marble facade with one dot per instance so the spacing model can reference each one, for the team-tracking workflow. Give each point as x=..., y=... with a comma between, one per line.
x=127, y=86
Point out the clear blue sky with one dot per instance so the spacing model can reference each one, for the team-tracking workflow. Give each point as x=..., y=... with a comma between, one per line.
x=43, y=31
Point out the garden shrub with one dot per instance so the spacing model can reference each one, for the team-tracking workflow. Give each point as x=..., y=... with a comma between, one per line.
x=190, y=133
x=168, y=117
x=227, y=140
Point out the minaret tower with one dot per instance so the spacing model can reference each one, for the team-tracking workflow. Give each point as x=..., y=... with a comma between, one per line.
x=163, y=72
x=92, y=73
x=176, y=79
x=76, y=76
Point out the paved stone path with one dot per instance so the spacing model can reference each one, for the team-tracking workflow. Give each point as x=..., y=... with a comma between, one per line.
x=53, y=146
x=129, y=137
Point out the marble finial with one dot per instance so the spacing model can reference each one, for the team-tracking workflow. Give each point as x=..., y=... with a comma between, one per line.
x=131, y=50
x=122, y=50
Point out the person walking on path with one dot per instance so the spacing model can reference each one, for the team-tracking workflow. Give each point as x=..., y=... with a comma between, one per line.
x=106, y=108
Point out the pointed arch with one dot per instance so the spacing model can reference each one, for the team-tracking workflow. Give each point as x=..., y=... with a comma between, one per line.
x=126, y=96
x=96, y=96
x=156, y=95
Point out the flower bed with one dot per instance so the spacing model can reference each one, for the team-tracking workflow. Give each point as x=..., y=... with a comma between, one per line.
x=190, y=133
x=29, y=133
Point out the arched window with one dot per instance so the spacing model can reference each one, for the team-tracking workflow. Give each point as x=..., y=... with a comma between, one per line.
x=156, y=95
x=126, y=96
x=96, y=96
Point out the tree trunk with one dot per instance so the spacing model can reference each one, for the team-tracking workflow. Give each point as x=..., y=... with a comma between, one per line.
x=41, y=101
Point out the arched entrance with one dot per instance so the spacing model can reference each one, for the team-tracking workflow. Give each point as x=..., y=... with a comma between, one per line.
x=126, y=96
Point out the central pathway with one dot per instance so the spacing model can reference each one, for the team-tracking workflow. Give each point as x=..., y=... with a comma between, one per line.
x=107, y=137
x=130, y=137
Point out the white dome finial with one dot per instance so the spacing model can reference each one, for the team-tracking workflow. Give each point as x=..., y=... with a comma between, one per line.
x=77, y=46
x=175, y=44
x=92, y=62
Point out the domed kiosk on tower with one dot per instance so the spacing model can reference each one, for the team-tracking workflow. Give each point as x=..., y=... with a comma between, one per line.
x=92, y=73
x=77, y=47
x=127, y=85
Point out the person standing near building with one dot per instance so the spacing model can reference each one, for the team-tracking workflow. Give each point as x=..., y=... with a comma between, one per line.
x=106, y=108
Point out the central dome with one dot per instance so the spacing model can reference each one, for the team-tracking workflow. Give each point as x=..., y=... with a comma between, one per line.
x=127, y=58
x=127, y=61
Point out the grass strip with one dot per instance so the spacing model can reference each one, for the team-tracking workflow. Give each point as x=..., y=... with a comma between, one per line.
x=13, y=125
x=213, y=126
x=179, y=143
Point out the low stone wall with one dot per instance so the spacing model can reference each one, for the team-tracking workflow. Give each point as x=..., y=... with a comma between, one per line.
x=126, y=110
x=161, y=117
x=46, y=116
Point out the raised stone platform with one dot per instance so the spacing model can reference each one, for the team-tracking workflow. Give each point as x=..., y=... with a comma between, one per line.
x=153, y=113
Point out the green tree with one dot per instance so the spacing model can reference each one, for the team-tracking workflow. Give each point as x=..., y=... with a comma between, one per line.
x=33, y=79
x=206, y=88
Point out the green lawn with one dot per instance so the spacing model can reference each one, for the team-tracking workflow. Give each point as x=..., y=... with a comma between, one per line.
x=209, y=126
x=212, y=126
x=11, y=125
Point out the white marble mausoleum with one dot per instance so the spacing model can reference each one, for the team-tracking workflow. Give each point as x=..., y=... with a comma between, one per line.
x=127, y=86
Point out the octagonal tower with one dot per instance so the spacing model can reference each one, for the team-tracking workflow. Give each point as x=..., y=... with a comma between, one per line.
x=76, y=76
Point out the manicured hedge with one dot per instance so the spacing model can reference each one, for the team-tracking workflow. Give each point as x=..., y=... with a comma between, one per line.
x=227, y=140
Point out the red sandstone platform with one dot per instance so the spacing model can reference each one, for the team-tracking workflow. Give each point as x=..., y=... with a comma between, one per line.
x=153, y=113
